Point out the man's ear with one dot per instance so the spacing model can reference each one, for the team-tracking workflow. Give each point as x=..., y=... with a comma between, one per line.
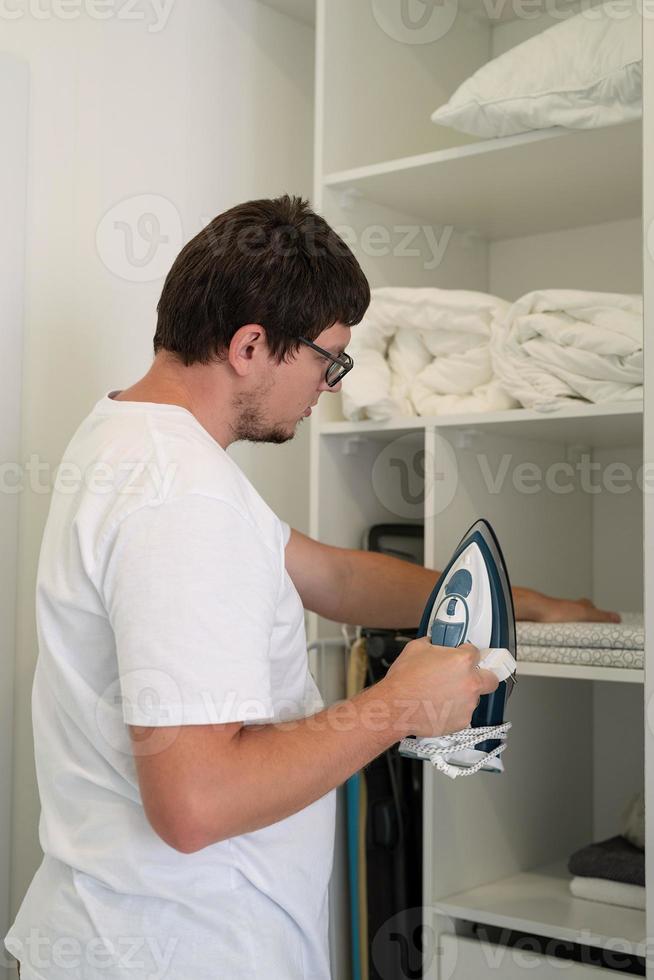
x=248, y=342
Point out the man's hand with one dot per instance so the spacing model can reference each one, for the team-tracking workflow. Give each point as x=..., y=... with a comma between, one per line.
x=437, y=688
x=541, y=608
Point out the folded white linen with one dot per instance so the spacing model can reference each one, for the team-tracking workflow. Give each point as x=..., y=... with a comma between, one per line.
x=562, y=344
x=581, y=656
x=424, y=352
x=584, y=644
x=629, y=634
x=609, y=892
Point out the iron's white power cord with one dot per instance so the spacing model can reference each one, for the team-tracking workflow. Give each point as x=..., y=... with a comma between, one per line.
x=438, y=750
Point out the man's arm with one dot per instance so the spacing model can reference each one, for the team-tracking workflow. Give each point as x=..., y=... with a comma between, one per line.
x=367, y=588
x=201, y=784
x=360, y=587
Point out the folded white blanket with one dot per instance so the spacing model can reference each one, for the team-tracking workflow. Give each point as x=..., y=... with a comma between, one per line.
x=424, y=352
x=562, y=344
x=609, y=892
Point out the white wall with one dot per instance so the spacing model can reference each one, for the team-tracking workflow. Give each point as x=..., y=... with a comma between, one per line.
x=14, y=93
x=213, y=108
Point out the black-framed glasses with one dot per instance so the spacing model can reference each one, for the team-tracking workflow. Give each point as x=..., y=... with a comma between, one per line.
x=340, y=363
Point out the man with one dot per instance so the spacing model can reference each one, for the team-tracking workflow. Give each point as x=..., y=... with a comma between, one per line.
x=186, y=767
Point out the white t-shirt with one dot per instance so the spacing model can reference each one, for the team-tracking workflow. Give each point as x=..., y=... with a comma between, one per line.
x=163, y=599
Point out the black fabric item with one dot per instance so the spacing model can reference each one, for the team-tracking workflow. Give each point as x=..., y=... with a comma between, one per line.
x=394, y=805
x=393, y=848
x=614, y=859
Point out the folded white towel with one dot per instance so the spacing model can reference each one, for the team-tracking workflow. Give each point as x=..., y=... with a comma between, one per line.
x=424, y=352
x=561, y=344
x=609, y=892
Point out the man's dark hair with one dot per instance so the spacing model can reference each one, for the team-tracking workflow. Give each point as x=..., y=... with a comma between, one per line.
x=273, y=262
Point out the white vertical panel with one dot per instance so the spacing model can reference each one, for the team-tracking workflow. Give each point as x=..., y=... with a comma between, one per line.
x=13, y=176
x=648, y=450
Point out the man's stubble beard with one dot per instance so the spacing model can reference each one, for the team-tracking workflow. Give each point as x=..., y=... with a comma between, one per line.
x=251, y=425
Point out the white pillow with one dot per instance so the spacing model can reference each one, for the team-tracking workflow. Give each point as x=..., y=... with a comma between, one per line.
x=584, y=72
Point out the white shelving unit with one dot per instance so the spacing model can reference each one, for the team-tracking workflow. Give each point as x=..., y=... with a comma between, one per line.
x=477, y=186
x=529, y=900
x=601, y=426
x=495, y=849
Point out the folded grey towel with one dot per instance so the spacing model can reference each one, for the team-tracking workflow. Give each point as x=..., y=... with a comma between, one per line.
x=614, y=859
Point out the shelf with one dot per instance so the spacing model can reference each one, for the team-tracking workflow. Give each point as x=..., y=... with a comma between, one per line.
x=532, y=183
x=540, y=902
x=598, y=426
x=580, y=672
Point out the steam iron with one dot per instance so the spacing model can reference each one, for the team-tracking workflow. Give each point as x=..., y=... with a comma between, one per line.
x=472, y=603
